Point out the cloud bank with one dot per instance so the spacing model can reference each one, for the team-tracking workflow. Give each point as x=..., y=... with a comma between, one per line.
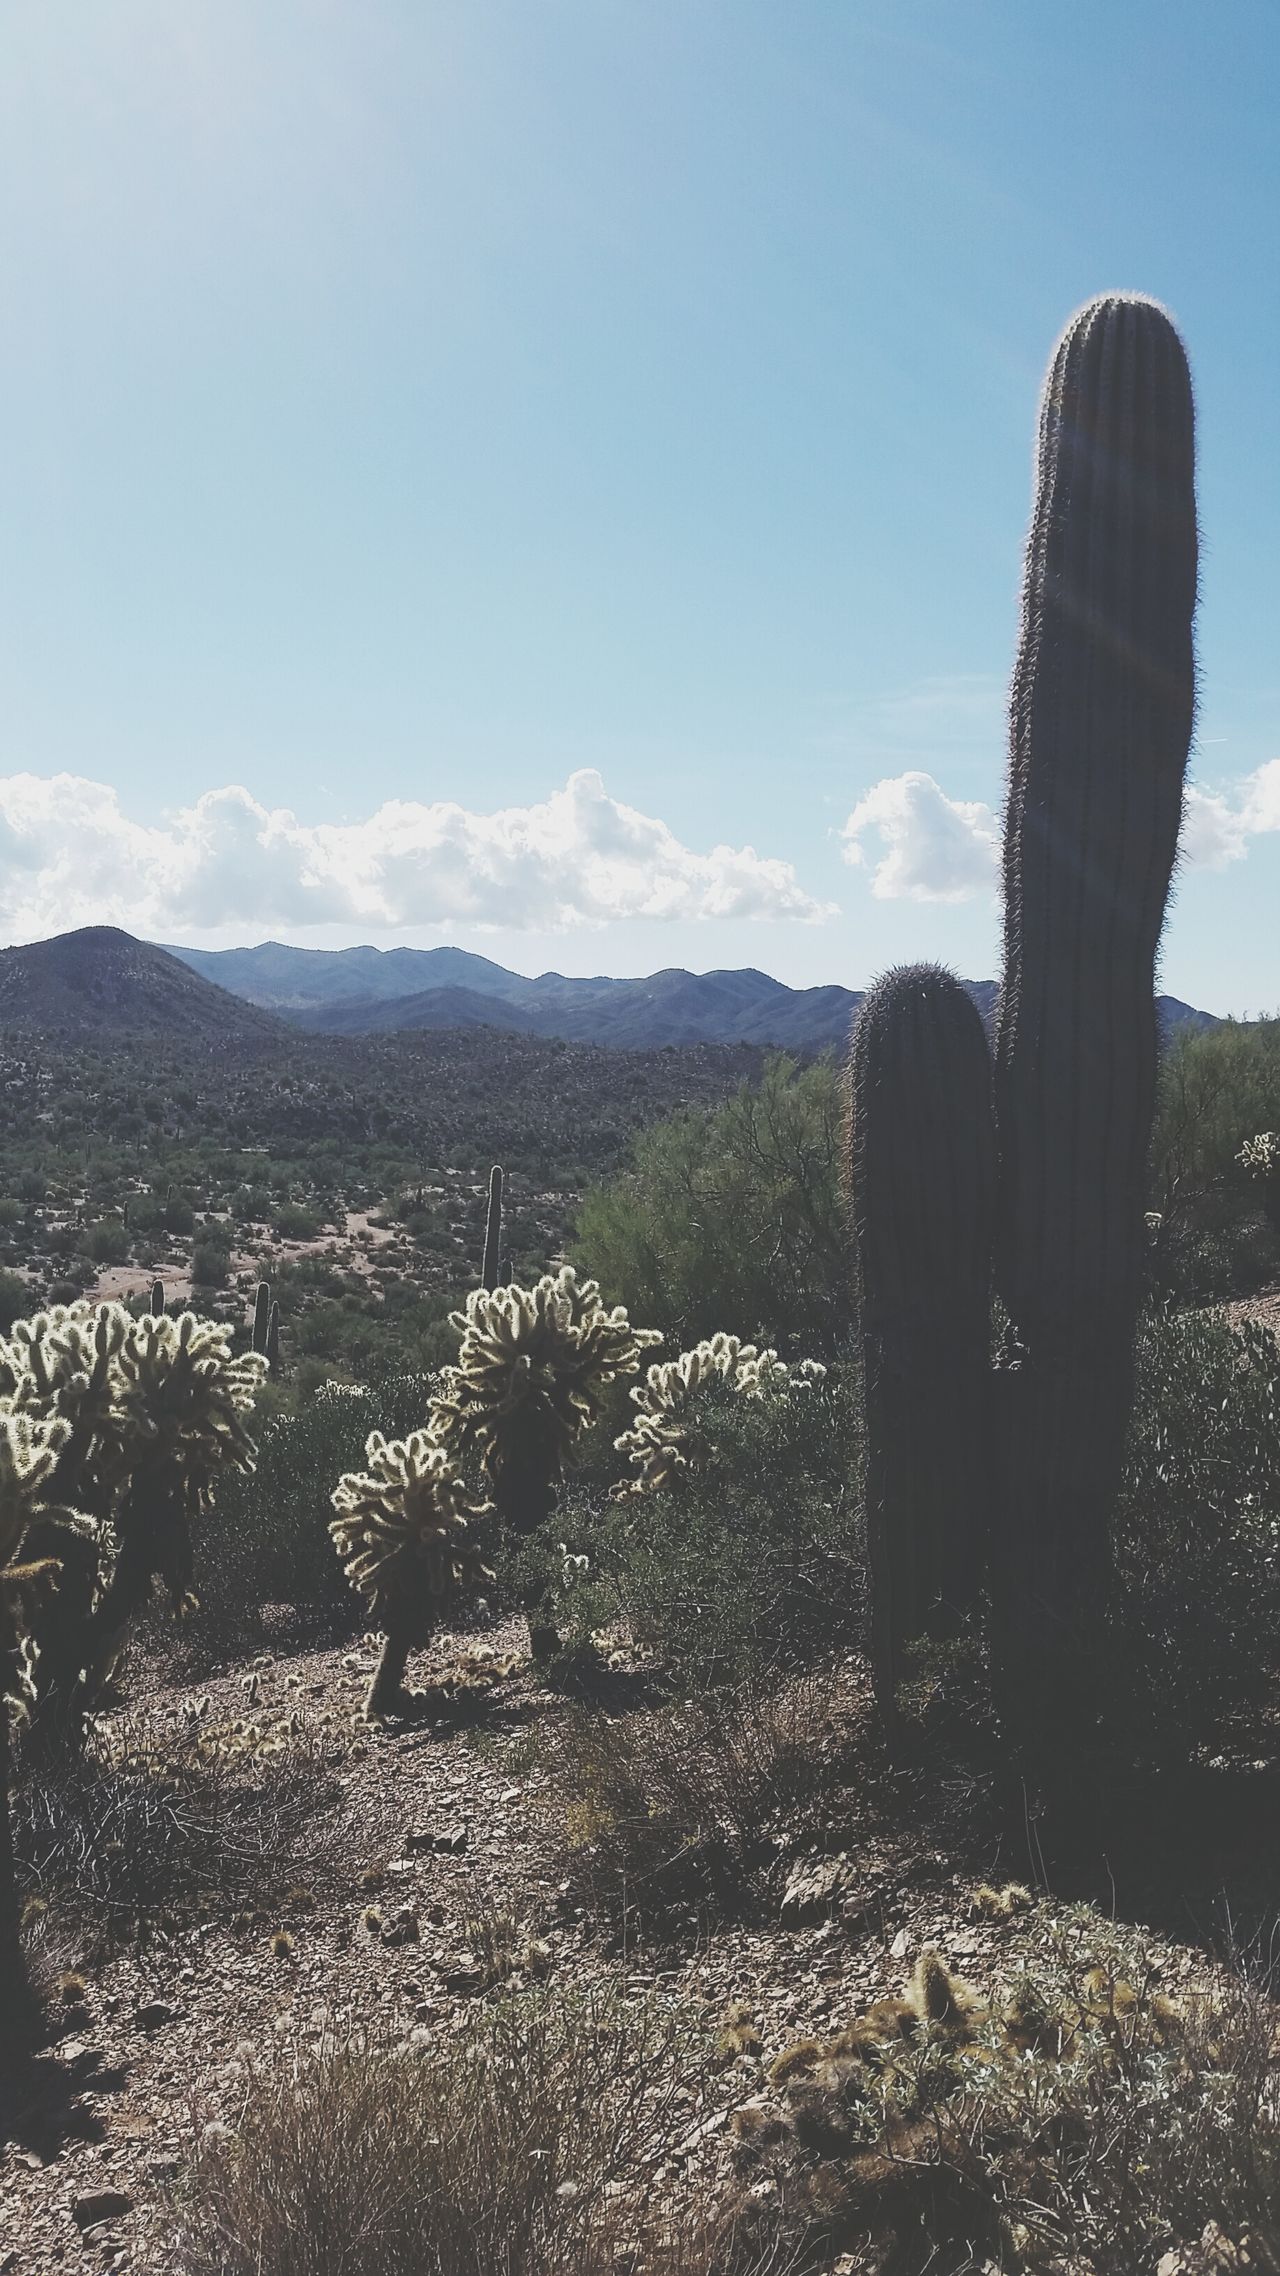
x=70, y=856
x=920, y=845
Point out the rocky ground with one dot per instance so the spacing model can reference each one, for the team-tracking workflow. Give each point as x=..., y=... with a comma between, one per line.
x=398, y=1876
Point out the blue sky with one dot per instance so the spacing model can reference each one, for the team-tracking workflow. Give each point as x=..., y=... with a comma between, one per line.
x=528, y=472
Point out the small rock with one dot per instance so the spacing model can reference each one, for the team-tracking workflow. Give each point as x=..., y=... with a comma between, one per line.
x=900, y=1946
x=509, y=1794
x=401, y=1927
x=100, y=2205
x=154, y=2013
x=814, y=1888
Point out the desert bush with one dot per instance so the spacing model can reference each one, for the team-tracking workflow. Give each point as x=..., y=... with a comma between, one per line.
x=750, y=1558
x=1073, y=2116
x=731, y=1219
x=668, y=1810
x=15, y=1299
x=1217, y=1090
x=134, y=1828
x=107, y=1242
x=269, y=1543
x=1197, y=1535
x=525, y=2147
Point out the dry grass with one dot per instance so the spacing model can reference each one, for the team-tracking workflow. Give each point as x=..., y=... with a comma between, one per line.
x=526, y=2147
x=130, y=1832
x=660, y=1811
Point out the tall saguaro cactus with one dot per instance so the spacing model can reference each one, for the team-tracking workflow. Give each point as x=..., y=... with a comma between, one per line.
x=923, y=1176
x=1101, y=718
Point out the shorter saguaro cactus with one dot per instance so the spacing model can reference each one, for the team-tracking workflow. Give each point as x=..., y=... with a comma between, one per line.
x=923, y=1176
x=157, y=1300
x=273, y=1340
x=664, y=1438
x=261, y=1317
x=402, y=1531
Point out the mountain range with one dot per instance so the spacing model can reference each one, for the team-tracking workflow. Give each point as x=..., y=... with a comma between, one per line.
x=363, y=991
x=100, y=981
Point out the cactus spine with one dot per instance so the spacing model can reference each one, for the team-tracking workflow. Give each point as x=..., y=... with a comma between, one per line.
x=923, y=1175
x=1101, y=717
x=491, y=1269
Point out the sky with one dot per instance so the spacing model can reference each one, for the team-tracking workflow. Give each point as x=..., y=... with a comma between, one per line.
x=551, y=475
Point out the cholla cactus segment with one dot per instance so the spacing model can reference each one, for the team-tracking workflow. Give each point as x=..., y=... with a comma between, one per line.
x=68, y=1363
x=29, y=1450
x=185, y=1397
x=1260, y=1156
x=664, y=1438
x=541, y=1356
x=402, y=1529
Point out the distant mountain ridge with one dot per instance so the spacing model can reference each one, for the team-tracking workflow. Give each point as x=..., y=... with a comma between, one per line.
x=367, y=991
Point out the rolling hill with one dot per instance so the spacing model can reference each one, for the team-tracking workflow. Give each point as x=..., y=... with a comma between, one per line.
x=98, y=982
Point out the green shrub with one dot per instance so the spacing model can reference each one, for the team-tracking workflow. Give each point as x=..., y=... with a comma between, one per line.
x=107, y=1242
x=209, y=1264
x=1197, y=1535
x=16, y=1299
x=751, y=1561
x=294, y=1223
x=732, y=1219
x=1217, y=1089
x=268, y=1543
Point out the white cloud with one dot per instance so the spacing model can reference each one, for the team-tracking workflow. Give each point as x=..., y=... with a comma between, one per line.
x=930, y=847
x=1213, y=831
x=1218, y=826
x=70, y=856
x=920, y=845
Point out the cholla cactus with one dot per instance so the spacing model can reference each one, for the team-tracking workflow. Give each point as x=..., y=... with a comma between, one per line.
x=532, y=1370
x=29, y=1450
x=402, y=1532
x=153, y=1408
x=183, y=1403
x=66, y=1363
x=664, y=1438
x=1260, y=1156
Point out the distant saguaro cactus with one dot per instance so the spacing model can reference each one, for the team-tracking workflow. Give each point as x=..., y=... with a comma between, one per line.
x=273, y=1340
x=157, y=1300
x=491, y=1269
x=261, y=1317
x=1102, y=711
x=923, y=1180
